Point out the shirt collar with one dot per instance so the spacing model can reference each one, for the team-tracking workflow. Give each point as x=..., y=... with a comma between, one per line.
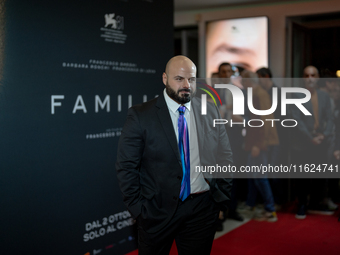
x=172, y=105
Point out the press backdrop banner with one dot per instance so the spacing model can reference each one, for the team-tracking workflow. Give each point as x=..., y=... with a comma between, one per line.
x=69, y=70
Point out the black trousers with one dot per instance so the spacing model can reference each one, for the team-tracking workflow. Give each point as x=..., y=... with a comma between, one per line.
x=316, y=188
x=193, y=228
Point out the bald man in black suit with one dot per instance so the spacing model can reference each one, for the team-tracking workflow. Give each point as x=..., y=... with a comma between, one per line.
x=150, y=169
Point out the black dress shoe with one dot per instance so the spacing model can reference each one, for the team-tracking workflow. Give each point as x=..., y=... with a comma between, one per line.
x=219, y=226
x=235, y=216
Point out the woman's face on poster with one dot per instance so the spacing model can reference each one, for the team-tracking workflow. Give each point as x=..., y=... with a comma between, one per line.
x=241, y=42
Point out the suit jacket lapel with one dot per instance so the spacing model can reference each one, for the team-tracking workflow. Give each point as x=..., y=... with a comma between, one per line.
x=200, y=129
x=199, y=121
x=165, y=120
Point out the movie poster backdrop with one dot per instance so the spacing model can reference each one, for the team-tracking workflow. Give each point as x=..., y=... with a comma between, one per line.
x=69, y=70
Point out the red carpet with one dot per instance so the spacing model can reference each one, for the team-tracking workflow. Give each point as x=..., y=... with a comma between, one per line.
x=316, y=235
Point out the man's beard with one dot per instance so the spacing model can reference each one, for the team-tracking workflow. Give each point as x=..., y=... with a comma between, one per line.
x=310, y=86
x=175, y=95
x=310, y=83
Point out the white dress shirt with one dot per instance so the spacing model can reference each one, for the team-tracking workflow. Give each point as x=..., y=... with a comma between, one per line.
x=197, y=182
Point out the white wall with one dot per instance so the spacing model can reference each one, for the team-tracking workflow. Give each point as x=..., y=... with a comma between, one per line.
x=276, y=13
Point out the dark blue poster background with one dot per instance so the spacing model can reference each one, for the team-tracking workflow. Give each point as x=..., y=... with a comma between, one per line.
x=69, y=71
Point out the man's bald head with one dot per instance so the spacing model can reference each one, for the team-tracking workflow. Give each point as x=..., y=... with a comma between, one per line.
x=180, y=62
x=179, y=79
x=310, y=71
x=311, y=77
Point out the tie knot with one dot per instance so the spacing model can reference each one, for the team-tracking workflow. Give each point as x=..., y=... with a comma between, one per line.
x=181, y=110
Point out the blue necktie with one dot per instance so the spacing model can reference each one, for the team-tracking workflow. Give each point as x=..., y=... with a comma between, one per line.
x=183, y=145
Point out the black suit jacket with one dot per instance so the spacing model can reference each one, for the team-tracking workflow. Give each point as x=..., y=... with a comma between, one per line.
x=149, y=167
x=304, y=129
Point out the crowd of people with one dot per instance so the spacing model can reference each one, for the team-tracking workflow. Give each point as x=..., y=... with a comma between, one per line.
x=314, y=140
